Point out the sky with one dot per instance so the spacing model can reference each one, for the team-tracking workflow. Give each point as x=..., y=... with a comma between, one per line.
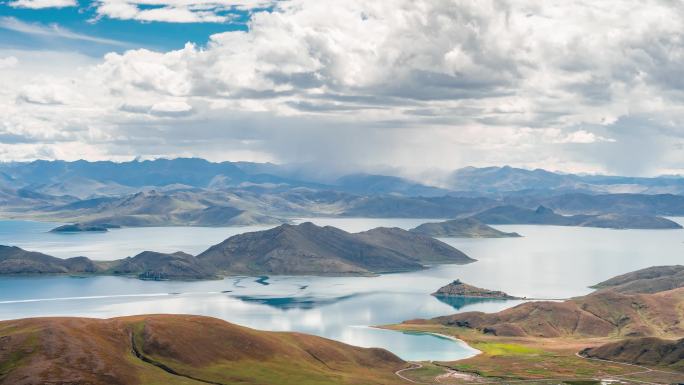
x=411, y=86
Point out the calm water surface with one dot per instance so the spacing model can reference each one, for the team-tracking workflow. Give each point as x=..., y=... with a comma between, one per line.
x=548, y=262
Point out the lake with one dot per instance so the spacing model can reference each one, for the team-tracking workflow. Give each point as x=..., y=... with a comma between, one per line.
x=547, y=262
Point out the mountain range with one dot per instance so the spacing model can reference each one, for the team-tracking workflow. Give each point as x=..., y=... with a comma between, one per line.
x=195, y=192
x=116, y=178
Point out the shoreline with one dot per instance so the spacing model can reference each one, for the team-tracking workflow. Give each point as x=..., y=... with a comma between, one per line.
x=472, y=352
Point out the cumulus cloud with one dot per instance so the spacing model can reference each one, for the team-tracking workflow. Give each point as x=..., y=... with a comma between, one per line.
x=176, y=11
x=413, y=84
x=171, y=11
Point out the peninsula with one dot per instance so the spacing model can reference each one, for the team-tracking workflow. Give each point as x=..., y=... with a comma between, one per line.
x=304, y=249
x=509, y=215
x=462, y=228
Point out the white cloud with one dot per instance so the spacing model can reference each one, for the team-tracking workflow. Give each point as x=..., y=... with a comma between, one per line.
x=51, y=31
x=582, y=137
x=176, y=11
x=46, y=92
x=415, y=84
x=38, y=4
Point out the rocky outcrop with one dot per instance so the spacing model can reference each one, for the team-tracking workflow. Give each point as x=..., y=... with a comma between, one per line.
x=460, y=289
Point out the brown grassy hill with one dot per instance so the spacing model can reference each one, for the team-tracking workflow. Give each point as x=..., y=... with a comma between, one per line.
x=175, y=349
x=600, y=314
x=649, y=351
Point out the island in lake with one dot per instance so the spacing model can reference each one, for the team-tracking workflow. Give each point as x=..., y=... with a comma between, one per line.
x=84, y=227
x=460, y=289
x=304, y=249
x=462, y=228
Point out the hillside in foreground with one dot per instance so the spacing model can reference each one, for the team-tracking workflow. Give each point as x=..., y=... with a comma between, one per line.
x=642, y=351
x=175, y=349
x=604, y=313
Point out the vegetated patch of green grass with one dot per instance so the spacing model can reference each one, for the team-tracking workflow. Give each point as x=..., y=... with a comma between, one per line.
x=16, y=357
x=274, y=372
x=151, y=375
x=506, y=349
x=11, y=362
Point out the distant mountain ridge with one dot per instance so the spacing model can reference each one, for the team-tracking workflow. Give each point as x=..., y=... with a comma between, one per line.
x=509, y=179
x=462, y=228
x=504, y=215
x=81, y=178
x=196, y=192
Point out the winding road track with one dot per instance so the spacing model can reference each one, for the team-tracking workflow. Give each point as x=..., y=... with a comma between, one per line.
x=642, y=370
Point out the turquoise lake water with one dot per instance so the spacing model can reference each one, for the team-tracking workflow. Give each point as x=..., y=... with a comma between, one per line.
x=547, y=262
